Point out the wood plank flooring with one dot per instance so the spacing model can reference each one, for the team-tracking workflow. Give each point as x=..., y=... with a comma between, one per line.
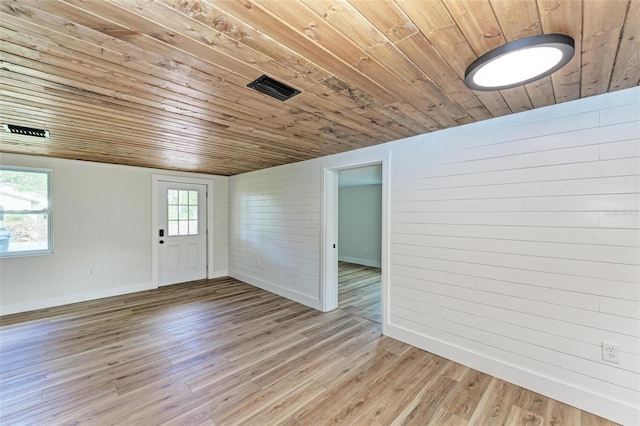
x=360, y=290
x=223, y=352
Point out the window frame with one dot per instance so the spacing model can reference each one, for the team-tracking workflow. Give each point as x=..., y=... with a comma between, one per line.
x=48, y=211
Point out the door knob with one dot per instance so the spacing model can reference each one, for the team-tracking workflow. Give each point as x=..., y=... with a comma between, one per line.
x=161, y=242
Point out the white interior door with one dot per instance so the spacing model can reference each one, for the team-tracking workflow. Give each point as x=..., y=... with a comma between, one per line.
x=182, y=232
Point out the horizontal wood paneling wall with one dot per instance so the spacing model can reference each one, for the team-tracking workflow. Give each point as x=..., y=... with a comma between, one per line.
x=522, y=244
x=274, y=236
x=514, y=245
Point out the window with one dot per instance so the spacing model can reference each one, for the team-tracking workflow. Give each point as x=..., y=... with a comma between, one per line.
x=183, y=212
x=25, y=211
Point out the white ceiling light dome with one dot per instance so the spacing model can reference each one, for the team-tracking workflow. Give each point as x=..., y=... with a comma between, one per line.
x=520, y=62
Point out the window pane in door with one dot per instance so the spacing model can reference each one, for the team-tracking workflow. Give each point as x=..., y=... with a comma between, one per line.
x=172, y=196
x=183, y=197
x=183, y=227
x=182, y=212
x=173, y=227
x=173, y=212
x=193, y=227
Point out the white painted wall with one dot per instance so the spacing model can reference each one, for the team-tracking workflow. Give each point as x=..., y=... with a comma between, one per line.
x=101, y=219
x=360, y=224
x=514, y=245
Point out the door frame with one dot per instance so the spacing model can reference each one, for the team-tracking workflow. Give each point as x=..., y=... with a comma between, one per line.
x=155, y=179
x=329, y=236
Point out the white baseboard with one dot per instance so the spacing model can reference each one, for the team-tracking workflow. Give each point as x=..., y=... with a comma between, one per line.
x=279, y=290
x=219, y=274
x=582, y=398
x=33, y=305
x=365, y=262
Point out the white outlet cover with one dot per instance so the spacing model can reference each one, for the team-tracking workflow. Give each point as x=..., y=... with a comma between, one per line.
x=611, y=352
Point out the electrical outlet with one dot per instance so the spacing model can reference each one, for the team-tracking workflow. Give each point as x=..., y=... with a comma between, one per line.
x=611, y=352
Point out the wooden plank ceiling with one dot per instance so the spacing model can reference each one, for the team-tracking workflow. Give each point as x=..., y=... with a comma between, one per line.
x=162, y=83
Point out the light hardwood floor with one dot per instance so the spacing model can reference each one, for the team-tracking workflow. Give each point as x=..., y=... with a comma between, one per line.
x=360, y=290
x=223, y=352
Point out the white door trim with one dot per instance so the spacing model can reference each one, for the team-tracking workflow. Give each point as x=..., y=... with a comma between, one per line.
x=329, y=237
x=329, y=242
x=155, y=179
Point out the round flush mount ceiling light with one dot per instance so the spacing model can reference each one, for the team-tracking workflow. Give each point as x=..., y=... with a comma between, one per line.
x=519, y=62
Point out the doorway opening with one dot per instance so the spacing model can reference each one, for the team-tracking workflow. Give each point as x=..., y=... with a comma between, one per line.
x=354, y=240
x=360, y=241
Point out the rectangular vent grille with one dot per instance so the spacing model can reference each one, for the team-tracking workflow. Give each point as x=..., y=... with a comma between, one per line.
x=273, y=88
x=28, y=131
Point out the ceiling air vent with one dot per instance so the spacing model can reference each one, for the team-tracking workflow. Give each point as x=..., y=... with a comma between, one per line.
x=273, y=88
x=28, y=131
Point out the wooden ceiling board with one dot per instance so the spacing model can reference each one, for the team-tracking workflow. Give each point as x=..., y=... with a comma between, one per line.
x=326, y=36
x=102, y=54
x=602, y=25
x=519, y=19
x=626, y=72
x=257, y=112
x=437, y=25
x=205, y=12
x=163, y=83
x=481, y=29
x=418, y=49
x=387, y=16
x=564, y=17
x=344, y=18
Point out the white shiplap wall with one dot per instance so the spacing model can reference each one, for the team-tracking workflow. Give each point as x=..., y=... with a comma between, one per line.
x=516, y=249
x=514, y=245
x=274, y=234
